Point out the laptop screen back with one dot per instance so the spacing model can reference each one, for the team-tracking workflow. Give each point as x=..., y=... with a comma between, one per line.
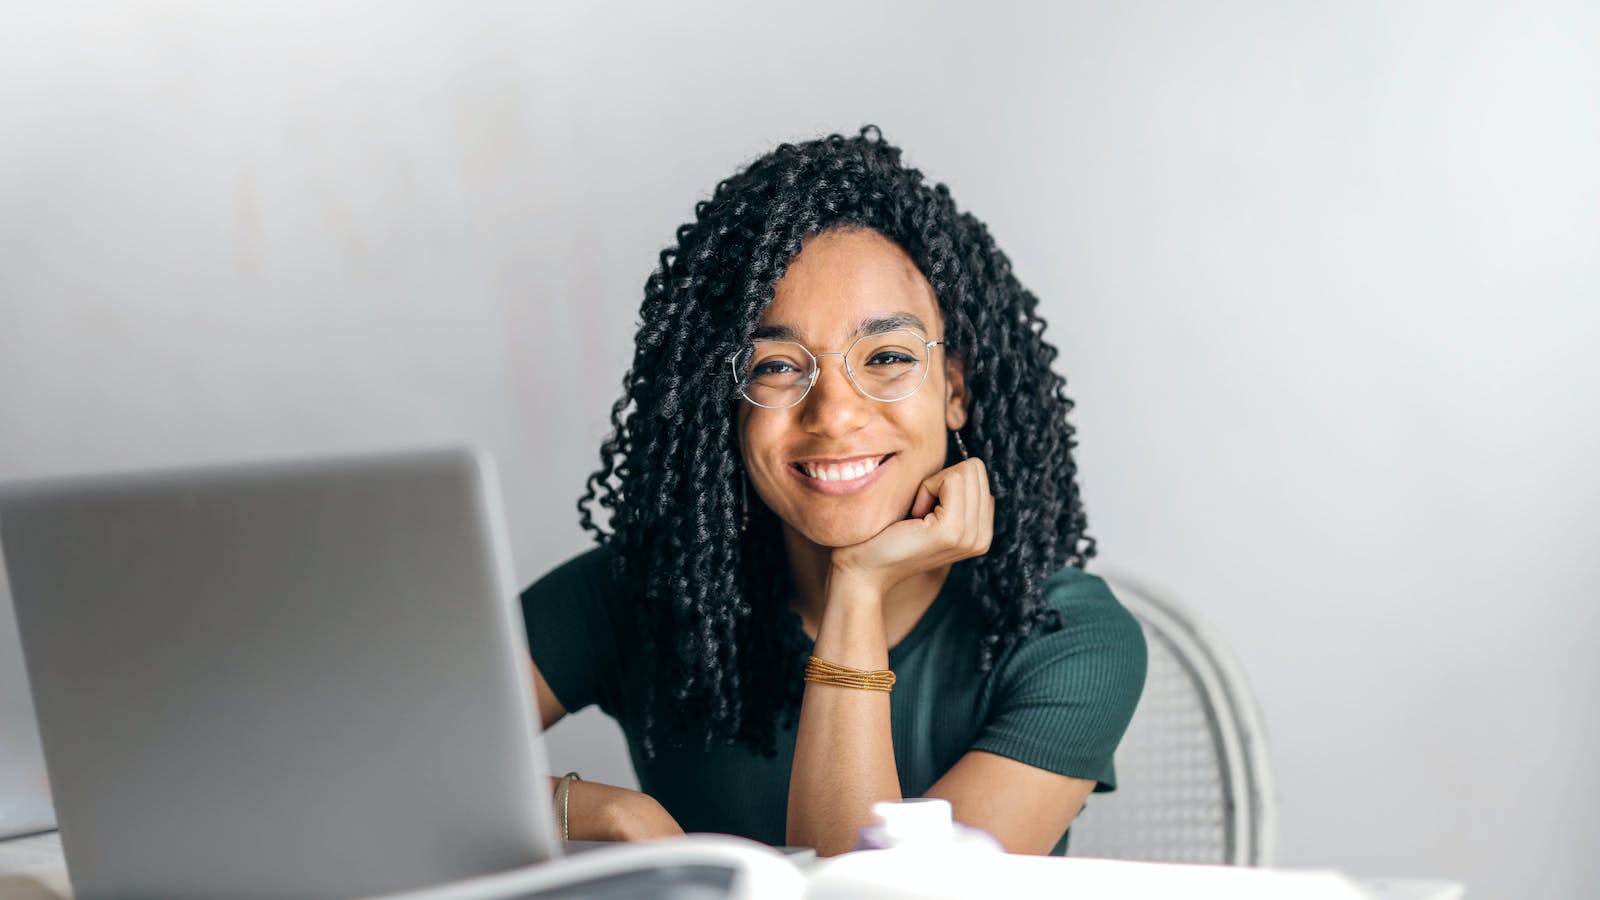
x=289, y=680
x=24, y=788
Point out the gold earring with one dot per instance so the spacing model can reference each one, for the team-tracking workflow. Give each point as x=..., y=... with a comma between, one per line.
x=744, y=503
x=961, y=445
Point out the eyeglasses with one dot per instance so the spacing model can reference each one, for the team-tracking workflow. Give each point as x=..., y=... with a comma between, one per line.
x=886, y=367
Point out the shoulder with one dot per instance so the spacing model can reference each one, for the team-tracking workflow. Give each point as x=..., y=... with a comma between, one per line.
x=1099, y=642
x=1087, y=603
x=596, y=564
x=572, y=616
x=589, y=581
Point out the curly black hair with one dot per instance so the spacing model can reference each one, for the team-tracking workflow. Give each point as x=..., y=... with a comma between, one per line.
x=719, y=636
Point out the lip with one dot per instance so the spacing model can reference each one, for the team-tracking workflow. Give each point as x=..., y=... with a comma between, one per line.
x=837, y=460
x=840, y=488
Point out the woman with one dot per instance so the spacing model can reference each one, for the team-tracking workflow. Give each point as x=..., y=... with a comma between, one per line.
x=840, y=452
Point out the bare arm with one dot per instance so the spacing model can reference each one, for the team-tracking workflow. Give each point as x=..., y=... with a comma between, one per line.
x=844, y=745
x=844, y=749
x=601, y=812
x=550, y=709
x=843, y=752
x=1027, y=808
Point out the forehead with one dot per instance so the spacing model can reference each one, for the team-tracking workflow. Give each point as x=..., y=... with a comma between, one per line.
x=842, y=280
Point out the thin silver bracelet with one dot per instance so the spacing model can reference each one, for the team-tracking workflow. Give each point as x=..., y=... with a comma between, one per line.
x=562, y=790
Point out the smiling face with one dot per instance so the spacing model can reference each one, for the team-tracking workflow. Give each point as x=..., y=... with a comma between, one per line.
x=839, y=467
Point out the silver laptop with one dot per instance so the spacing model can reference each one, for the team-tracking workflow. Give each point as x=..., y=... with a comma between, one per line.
x=24, y=789
x=285, y=680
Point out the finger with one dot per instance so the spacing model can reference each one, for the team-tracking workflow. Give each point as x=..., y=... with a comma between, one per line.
x=928, y=493
x=963, y=484
x=960, y=485
x=986, y=502
x=950, y=516
x=975, y=483
x=987, y=520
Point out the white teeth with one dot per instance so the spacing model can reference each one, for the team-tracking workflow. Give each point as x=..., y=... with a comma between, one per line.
x=841, y=473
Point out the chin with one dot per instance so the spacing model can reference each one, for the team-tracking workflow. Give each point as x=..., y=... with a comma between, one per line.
x=846, y=531
x=835, y=539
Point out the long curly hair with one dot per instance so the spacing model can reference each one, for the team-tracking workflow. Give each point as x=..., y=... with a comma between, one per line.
x=723, y=648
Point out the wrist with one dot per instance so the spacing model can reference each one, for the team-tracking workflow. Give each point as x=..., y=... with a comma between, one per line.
x=852, y=631
x=856, y=587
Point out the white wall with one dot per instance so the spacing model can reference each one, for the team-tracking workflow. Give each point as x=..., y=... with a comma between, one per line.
x=1323, y=277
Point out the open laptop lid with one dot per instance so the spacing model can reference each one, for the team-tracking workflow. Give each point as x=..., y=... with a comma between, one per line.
x=291, y=680
x=24, y=789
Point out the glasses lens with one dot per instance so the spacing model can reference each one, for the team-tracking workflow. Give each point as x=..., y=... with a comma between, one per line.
x=891, y=365
x=774, y=373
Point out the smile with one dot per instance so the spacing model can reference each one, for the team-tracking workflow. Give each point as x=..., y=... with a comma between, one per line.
x=840, y=476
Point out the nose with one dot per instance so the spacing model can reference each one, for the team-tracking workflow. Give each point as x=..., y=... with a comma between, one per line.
x=833, y=407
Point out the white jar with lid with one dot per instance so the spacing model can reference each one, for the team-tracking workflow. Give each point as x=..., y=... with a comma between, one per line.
x=922, y=822
x=916, y=851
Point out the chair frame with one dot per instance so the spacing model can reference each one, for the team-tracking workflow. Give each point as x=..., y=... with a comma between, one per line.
x=1236, y=720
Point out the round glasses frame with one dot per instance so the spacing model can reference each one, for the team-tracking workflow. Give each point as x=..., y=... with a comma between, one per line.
x=816, y=368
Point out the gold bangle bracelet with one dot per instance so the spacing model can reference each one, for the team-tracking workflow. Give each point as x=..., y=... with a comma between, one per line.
x=820, y=671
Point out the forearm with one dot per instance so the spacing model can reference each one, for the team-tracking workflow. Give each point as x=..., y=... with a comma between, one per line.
x=844, y=748
x=600, y=812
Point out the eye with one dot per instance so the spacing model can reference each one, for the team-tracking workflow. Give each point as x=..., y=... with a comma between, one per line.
x=773, y=367
x=891, y=358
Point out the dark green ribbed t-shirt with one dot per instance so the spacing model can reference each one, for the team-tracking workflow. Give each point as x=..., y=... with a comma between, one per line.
x=1058, y=700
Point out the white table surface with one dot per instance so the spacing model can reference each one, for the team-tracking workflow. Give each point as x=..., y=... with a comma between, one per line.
x=31, y=868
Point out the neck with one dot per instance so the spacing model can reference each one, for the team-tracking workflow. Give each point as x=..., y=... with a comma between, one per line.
x=810, y=564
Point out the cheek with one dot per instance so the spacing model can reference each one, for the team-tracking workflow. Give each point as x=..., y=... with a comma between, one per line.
x=748, y=432
x=759, y=455
x=928, y=435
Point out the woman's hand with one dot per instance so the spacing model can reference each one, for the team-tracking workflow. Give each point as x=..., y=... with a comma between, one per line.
x=952, y=519
x=600, y=812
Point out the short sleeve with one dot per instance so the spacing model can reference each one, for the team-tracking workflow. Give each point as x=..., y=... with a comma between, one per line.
x=1064, y=698
x=569, y=618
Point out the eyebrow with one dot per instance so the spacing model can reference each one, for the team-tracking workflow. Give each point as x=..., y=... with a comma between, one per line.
x=867, y=326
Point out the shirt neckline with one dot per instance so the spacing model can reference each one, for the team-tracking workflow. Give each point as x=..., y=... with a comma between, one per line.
x=954, y=585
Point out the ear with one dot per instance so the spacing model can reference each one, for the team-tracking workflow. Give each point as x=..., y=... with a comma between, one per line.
x=955, y=392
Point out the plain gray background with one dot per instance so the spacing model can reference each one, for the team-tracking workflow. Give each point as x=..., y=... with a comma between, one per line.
x=1323, y=276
